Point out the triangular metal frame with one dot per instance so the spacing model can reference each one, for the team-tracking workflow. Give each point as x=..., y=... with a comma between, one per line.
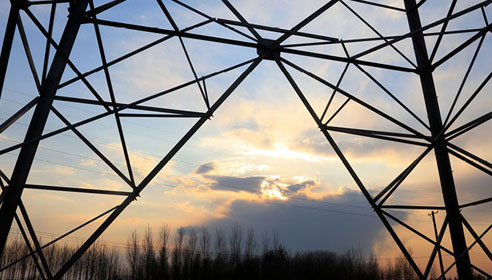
x=84, y=12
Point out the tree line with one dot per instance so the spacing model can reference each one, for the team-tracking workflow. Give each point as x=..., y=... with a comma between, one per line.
x=200, y=253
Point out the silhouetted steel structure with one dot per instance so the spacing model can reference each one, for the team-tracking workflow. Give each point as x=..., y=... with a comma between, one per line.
x=438, y=138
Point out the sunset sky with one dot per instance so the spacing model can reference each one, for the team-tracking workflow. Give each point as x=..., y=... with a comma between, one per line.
x=260, y=161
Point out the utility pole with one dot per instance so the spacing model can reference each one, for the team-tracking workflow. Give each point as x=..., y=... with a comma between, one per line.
x=438, y=249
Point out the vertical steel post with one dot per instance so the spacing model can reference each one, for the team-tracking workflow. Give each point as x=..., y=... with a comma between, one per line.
x=12, y=194
x=441, y=266
x=7, y=43
x=441, y=153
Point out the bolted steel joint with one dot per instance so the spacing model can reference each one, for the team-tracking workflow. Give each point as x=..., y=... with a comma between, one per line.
x=268, y=49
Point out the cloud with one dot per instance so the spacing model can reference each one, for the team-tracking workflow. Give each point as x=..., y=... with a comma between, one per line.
x=87, y=162
x=57, y=198
x=250, y=184
x=306, y=215
x=205, y=168
x=300, y=208
x=295, y=188
x=106, y=184
x=283, y=129
x=64, y=170
x=224, y=177
x=142, y=161
x=331, y=223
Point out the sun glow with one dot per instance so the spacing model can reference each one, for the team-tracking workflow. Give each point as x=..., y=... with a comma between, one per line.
x=280, y=150
x=271, y=191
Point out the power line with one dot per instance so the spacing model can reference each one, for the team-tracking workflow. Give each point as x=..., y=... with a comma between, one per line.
x=160, y=139
x=237, y=188
x=159, y=156
x=225, y=186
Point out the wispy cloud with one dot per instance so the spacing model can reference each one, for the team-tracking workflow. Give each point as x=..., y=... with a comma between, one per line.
x=64, y=170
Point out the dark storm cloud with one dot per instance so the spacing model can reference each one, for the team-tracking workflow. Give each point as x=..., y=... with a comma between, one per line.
x=251, y=184
x=338, y=222
x=230, y=183
x=294, y=188
x=205, y=168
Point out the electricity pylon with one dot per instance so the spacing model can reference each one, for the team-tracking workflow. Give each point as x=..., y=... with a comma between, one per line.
x=437, y=138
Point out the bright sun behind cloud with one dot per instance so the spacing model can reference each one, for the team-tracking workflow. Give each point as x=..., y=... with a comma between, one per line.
x=271, y=191
x=282, y=151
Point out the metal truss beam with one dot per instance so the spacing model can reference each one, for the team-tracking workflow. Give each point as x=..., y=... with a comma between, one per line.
x=48, y=90
x=350, y=169
x=153, y=173
x=7, y=42
x=441, y=153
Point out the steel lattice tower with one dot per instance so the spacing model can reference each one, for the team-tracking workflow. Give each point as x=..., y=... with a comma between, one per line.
x=438, y=137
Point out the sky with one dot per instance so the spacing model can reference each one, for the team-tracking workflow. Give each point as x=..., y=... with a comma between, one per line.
x=260, y=161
